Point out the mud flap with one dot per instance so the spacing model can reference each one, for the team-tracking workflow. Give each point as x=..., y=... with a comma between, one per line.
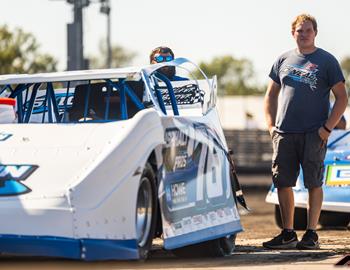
x=236, y=186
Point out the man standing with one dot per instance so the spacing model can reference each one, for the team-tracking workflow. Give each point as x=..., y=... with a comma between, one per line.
x=303, y=77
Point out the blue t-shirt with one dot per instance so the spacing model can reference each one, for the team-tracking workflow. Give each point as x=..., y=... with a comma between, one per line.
x=305, y=80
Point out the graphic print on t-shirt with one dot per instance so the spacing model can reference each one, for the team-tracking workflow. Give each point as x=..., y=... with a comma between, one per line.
x=305, y=74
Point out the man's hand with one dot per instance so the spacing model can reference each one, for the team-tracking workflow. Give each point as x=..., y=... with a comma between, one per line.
x=271, y=130
x=324, y=134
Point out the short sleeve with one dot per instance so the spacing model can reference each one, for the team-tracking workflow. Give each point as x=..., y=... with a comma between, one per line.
x=274, y=73
x=334, y=72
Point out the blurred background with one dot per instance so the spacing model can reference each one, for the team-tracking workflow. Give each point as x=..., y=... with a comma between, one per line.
x=236, y=40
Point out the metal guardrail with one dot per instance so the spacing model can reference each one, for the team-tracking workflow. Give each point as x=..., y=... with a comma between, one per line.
x=252, y=150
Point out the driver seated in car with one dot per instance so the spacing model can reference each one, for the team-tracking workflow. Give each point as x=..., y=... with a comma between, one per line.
x=165, y=54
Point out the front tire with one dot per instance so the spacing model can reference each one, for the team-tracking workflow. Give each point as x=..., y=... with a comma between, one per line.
x=146, y=211
x=300, y=218
x=220, y=247
x=334, y=219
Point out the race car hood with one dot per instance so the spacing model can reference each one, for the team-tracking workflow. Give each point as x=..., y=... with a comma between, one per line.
x=47, y=159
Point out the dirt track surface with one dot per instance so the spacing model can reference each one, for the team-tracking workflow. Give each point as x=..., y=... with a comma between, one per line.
x=259, y=226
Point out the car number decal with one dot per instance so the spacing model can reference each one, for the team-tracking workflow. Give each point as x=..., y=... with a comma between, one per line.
x=10, y=177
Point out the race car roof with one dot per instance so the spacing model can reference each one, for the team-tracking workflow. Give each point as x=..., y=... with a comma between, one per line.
x=94, y=74
x=76, y=75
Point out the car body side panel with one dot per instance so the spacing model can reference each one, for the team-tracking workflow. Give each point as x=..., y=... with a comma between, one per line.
x=86, y=249
x=44, y=216
x=99, y=177
x=95, y=210
x=104, y=202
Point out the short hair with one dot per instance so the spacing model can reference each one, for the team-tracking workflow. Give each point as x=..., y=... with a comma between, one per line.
x=303, y=18
x=160, y=49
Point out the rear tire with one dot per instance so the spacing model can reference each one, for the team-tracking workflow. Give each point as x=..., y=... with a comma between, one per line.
x=334, y=219
x=146, y=211
x=220, y=247
x=300, y=218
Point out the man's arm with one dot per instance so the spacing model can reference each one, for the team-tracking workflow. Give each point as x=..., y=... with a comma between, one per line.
x=341, y=124
x=341, y=101
x=271, y=104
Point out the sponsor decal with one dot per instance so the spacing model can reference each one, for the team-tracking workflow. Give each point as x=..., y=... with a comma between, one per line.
x=4, y=136
x=178, y=193
x=40, y=106
x=180, y=161
x=197, y=220
x=338, y=175
x=177, y=225
x=173, y=136
x=304, y=74
x=187, y=94
x=11, y=177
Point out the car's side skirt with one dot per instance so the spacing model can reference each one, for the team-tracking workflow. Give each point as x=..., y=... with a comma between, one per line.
x=84, y=249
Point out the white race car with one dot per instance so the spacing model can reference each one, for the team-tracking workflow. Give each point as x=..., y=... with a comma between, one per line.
x=100, y=162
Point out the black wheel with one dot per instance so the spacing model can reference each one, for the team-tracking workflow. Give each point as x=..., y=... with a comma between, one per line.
x=146, y=211
x=300, y=218
x=334, y=219
x=220, y=247
x=226, y=245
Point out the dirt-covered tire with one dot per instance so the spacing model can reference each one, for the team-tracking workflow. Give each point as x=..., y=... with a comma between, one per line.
x=300, y=218
x=220, y=247
x=334, y=219
x=227, y=245
x=146, y=211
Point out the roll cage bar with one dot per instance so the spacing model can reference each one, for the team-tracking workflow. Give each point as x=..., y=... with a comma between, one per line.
x=150, y=76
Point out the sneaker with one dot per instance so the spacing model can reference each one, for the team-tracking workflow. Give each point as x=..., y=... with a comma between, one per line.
x=285, y=240
x=309, y=241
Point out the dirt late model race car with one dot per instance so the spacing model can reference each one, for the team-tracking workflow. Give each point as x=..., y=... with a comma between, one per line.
x=98, y=163
x=336, y=200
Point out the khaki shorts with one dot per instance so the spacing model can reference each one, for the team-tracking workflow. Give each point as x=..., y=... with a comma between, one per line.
x=292, y=150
